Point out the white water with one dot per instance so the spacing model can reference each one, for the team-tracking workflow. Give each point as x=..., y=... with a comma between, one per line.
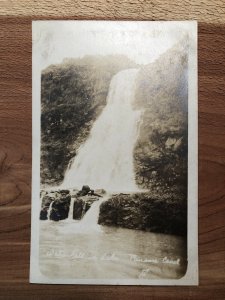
x=105, y=160
x=49, y=210
x=89, y=223
x=90, y=219
x=70, y=215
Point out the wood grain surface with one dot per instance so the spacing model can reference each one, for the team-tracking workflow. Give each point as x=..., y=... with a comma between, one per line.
x=16, y=137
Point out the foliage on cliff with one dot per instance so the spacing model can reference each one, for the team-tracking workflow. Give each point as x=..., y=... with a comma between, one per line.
x=72, y=96
x=161, y=151
x=164, y=213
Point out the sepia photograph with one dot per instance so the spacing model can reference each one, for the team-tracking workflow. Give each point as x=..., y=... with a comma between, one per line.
x=114, y=171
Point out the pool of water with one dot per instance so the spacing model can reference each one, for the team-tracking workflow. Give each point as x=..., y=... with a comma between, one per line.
x=69, y=250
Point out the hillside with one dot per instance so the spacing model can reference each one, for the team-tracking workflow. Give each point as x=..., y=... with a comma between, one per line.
x=161, y=150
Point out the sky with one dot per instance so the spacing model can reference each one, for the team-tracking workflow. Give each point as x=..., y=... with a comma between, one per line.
x=142, y=42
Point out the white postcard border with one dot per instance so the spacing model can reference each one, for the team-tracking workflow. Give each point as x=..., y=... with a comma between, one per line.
x=191, y=276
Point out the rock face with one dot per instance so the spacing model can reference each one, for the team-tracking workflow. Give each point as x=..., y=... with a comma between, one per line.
x=164, y=214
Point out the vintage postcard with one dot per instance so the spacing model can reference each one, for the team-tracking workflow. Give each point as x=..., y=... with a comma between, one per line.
x=114, y=175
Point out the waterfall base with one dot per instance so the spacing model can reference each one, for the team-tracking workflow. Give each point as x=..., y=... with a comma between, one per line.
x=142, y=211
x=67, y=204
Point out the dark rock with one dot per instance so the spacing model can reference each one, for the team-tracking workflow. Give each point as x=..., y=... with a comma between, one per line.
x=78, y=209
x=88, y=200
x=60, y=207
x=84, y=191
x=82, y=205
x=61, y=204
x=46, y=201
x=64, y=191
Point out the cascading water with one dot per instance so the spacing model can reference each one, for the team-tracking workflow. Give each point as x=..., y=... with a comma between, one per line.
x=49, y=210
x=70, y=215
x=105, y=160
x=91, y=217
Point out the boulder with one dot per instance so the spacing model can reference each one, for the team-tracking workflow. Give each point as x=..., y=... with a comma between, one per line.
x=78, y=208
x=47, y=198
x=60, y=207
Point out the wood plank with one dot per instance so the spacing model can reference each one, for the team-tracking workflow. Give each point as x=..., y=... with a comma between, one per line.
x=15, y=139
x=204, y=11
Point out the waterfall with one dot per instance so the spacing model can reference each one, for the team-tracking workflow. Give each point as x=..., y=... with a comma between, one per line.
x=90, y=219
x=70, y=215
x=49, y=210
x=105, y=160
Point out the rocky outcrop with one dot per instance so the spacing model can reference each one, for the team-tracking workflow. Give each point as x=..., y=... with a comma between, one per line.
x=164, y=214
x=82, y=205
x=156, y=212
x=60, y=207
x=47, y=199
x=61, y=201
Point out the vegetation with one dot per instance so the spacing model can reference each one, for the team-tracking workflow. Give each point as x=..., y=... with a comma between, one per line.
x=161, y=150
x=164, y=213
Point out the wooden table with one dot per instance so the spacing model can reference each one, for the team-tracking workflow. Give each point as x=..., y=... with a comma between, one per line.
x=15, y=141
